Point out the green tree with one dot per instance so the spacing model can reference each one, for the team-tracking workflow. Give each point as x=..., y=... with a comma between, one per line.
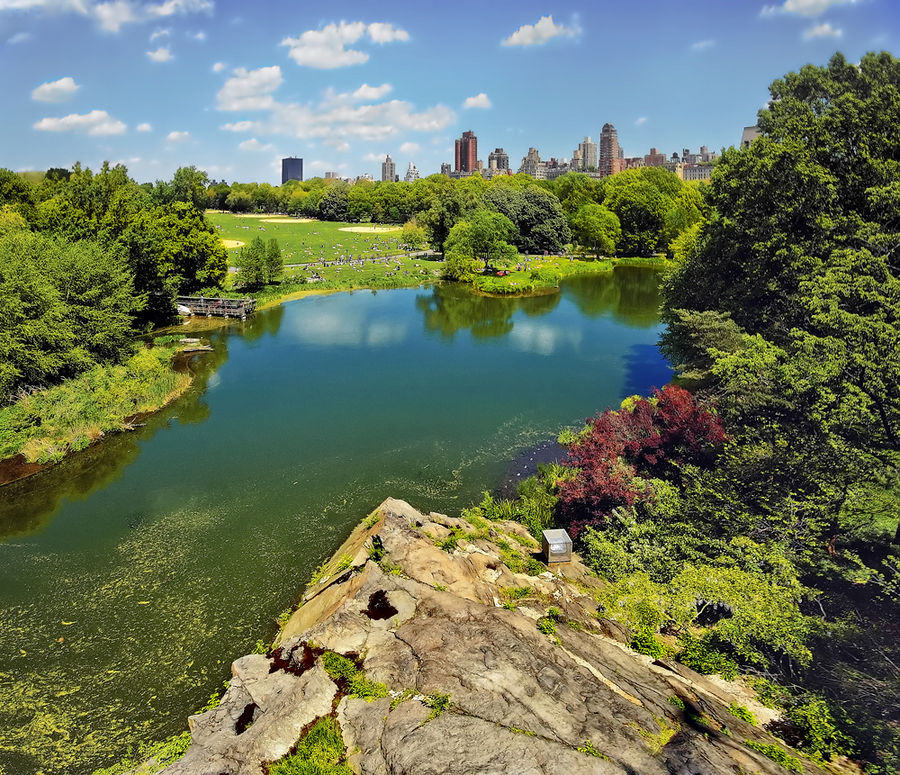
x=483, y=236
x=641, y=209
x=597, y=228
x=274, y=262
x=251, y=263
x=412, y=236
x=11, y=220
x=37, y=339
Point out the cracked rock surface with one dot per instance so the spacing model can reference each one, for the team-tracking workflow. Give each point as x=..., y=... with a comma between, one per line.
x=427, y=621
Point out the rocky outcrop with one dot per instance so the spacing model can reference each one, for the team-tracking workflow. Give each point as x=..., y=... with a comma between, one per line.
x=475, y=686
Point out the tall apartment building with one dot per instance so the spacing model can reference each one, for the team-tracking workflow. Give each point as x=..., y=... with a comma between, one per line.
x=655, y=158
x=466, y=152
x=388, y=170
x=445, y=169
x=412, y=173
x=532, y=165
x=588, y=153
x=498, y=159
x=610, y=160
x=291, y=169
x=749, y=134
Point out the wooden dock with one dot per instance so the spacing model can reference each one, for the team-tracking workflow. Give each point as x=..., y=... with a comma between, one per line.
x=215, y=307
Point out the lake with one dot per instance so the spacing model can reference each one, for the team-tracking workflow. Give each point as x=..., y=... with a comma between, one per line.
x=133, y=573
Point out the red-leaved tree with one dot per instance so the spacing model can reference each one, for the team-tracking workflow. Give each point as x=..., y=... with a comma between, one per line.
x=652, y=439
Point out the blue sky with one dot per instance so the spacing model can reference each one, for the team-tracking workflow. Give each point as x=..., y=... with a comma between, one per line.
x=233, y=86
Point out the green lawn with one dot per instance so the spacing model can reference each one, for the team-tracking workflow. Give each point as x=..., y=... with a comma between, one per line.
x=303, y=241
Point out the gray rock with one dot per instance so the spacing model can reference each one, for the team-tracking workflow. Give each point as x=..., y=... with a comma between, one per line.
x=520, y=701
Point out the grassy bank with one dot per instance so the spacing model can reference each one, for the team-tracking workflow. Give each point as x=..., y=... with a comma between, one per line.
x=399, y=272
x=45, y=425
x=544, y=274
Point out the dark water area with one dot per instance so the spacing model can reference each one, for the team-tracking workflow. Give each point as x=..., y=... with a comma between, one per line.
x=133, y=573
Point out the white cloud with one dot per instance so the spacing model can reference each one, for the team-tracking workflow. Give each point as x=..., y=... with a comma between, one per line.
x=55, y=91
x=410, y=148
x=326, y=48
x=364, y=122
x=640, y=121
x=254, y=145
x=19, y=37
x=336, y=117
x=370, y=93
x=199, y=36
x=178, y=137
x=145, y=127
x=380, y=32
x=702, y=45
x=242, y=126
x=823, y=30
x=540, y=33
x=113, y=15
x=97, y=123
x=250, y=89
x=218, y=67
x=160, y=33
x=478, y=101
x=173, y=7
x=804, y=7
x=160, y=55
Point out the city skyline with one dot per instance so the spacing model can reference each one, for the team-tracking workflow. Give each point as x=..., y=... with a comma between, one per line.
x=161, y=85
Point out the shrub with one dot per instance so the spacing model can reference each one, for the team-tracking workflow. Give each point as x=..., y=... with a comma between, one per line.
x=701, y=655
x=644, y=641
x=777, y=754
x=546, y=626
x=739, y=711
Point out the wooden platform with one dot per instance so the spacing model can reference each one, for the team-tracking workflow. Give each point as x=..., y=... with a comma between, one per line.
x=215, y=307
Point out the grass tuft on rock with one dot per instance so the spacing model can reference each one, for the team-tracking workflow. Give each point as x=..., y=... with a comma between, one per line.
x=321, y=751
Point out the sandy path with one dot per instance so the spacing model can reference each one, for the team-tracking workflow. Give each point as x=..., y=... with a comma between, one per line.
x=369, y=229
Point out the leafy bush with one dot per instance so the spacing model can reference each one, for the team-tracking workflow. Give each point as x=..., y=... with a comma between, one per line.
x=820, y=735
x=777, y=754
x=644, y=641
x=546, y=626
x=739, y=711
x=701, y=654
x=655, y=438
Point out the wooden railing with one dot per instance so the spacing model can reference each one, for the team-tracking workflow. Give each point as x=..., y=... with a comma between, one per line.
x=212, y=306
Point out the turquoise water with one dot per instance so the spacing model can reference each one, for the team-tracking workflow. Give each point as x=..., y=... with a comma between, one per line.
x=133, y=573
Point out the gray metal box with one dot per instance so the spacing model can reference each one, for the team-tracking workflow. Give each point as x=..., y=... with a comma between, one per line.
x=557, y=546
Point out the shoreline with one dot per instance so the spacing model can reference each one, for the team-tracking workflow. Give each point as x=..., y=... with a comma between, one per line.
x=18, y=467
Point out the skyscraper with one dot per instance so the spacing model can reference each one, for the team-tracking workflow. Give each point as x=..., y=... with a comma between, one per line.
x=610, y=162
x=388, y=169
x=291, y=169
x=588, y=150
x=466, y=152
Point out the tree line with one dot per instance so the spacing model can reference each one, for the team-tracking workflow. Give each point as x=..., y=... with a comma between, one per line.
x=89, y=259
x=637, y=212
